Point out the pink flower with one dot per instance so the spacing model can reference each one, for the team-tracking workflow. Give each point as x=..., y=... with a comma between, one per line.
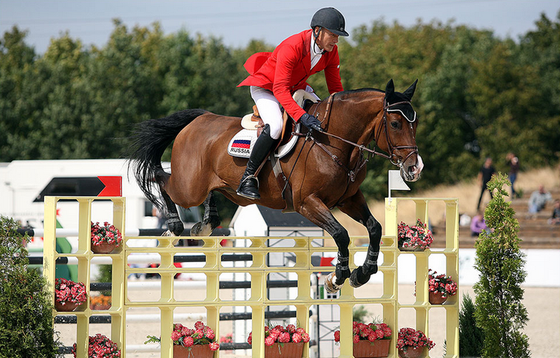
x=199, y=325
x=284, y=337
x=214, y=346
x=356, y=338
x=337, y=336
x=268, y=341
x=188, y=341
x=305, y=337
x=175, y=335
x=296, y=337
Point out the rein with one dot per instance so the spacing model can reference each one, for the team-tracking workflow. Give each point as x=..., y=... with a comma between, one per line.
x=371, y=152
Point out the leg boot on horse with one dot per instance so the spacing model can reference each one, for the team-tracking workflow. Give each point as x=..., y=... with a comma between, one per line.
x=249, y=185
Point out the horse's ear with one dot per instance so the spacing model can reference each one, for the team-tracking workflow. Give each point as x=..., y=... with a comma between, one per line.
x=410, y=90
x=390, y=88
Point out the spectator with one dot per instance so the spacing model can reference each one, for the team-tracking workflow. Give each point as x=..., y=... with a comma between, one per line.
x=477, y=224
x=555, y=218
x=513, y=162
x=484, y=176
x=538, y=200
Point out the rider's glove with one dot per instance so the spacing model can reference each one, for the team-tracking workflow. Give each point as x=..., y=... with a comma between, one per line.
x=311, y=122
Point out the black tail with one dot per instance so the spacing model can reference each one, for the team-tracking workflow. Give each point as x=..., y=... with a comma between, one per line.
x=149, y=141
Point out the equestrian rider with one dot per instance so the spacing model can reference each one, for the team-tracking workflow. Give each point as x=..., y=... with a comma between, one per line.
x=275, y=76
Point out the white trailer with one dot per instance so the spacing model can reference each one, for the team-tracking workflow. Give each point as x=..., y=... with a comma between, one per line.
x=24, y=183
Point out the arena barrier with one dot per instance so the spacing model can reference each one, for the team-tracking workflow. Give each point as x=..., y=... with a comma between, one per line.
x=213, y=267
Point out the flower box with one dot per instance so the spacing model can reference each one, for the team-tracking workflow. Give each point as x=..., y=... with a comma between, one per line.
x=104, y=239
x=195, y=351
x=411, y=343
x=367, y=349
x=282, y=341
x=284, y=350
x=440, y=287
x=100, y=346
x=191, y=343
x=370, y=340
x=68, y=294
x=411, y=352
x=100, y=302
x=414, y=238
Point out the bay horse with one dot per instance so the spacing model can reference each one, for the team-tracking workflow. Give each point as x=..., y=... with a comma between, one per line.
x=325, y=168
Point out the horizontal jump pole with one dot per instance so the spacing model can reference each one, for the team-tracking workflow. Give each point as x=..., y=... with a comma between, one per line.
x=144, y=259
x=151, y=318
x=156, y=284
x=32, y=232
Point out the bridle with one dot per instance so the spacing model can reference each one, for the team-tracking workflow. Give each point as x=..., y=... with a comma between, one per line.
x=362, y=148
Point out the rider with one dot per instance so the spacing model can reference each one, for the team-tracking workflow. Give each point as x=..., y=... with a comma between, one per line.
x=275, y=76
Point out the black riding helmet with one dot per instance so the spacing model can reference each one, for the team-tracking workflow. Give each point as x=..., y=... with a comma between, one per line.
x=330, y=19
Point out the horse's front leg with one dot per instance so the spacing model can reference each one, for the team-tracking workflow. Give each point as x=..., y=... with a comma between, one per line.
x=318, y=213
x=356, y=207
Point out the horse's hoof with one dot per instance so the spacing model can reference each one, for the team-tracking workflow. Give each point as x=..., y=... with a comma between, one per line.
x=354, y=279
x=200, y=229
x=169, y=233
x=330, y=283
x=175, y=226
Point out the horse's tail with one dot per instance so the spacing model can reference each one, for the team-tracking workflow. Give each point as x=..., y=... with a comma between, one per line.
x=149, y=140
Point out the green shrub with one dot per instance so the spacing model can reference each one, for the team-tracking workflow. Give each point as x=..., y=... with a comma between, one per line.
x=471, y=337
x=499, y=309
x=26, y=316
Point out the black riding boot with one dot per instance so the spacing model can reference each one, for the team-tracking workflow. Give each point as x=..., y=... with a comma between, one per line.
x=249, y=186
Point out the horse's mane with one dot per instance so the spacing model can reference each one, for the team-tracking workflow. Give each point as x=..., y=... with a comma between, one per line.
x=359, y=90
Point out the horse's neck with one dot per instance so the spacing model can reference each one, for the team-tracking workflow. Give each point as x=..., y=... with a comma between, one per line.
x=357, y=118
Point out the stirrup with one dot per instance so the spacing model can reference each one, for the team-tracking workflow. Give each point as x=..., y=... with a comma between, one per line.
x=244, y=195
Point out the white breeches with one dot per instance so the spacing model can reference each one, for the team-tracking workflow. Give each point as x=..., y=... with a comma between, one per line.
x=269, y=109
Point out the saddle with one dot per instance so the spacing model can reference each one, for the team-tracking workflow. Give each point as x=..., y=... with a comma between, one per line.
x=242, y=143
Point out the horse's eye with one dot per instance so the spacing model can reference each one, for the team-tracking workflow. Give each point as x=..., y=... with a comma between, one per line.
x=395, y=124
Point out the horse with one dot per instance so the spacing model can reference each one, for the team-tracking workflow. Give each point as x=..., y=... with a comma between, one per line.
x=325, y=169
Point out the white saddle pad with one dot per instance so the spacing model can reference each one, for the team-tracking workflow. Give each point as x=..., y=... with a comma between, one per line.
x=242, y=143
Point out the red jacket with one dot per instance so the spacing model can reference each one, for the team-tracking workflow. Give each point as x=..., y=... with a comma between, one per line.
x=287, y=69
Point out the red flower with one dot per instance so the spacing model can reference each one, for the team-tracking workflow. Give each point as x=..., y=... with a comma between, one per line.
x=284, y=337
x=214, y=346
x=188, y=341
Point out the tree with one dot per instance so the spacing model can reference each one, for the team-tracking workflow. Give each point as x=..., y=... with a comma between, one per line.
x=499, y=308
x=471, y=337
x=26, y=309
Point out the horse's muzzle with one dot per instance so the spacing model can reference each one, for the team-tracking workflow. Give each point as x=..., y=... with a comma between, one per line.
x=411, y=169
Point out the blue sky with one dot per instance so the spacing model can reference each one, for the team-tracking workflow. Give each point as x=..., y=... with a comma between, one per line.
x=236, y=22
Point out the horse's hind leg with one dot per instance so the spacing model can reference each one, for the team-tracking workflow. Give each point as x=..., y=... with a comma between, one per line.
x=210, y=220
x=356, y=208
x=174, y=223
